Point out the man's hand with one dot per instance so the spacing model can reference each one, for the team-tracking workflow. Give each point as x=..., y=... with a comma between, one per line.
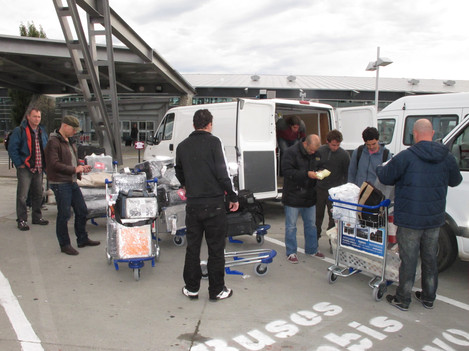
x=234, y=206
x=83, y=169
x=312, y=175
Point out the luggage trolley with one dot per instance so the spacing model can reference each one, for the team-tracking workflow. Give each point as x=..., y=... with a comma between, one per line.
x=361, y=244
x=260, y=257
x=130, y=222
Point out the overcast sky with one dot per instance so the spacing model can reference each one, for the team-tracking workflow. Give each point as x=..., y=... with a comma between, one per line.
x=424, y=38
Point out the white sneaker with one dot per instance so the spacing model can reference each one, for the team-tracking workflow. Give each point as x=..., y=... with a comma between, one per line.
x=224, y=294
x=191, y=295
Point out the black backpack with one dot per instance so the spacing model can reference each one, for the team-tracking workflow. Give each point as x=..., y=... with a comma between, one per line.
x=360, y=151
x=7, y=138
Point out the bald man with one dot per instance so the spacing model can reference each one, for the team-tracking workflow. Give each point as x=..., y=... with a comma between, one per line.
x=421, y=174
x=299, y=165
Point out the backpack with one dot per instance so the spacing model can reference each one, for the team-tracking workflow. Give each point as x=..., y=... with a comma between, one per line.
x=360, y=150
x=7, y=138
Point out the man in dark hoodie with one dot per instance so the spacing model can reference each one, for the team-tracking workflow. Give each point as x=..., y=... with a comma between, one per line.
x=421, y=174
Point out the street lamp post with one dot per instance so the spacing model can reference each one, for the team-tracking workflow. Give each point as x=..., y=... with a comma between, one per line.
x=374, y=66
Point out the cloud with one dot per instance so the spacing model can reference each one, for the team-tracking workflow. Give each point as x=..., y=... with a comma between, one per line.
x=424, y=38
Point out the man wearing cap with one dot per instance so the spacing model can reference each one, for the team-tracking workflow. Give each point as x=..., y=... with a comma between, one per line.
x=63, y=170
x=26, y=150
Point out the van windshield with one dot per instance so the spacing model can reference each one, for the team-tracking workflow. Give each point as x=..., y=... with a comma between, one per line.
x=442, y=125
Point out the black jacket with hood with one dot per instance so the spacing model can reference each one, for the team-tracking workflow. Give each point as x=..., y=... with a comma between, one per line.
x=298, y=188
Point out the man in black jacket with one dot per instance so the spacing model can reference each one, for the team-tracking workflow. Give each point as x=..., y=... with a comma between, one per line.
x=299, y=165
x=201, y=168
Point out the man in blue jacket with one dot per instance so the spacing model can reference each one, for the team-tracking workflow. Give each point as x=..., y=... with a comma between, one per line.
x=26, y=150
x=421, y=174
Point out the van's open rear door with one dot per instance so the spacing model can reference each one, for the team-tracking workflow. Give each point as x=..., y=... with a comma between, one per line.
x=351, y=121
x=256, y=143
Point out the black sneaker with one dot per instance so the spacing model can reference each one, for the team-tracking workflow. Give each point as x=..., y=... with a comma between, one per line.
x=224, y=294
x=426, y=304
x=392, y=299
x=23, y=226
x=191, y=295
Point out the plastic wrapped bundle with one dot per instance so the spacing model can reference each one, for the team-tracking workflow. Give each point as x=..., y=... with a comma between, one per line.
x=125, y=182
x=99, y=163
x=95, y=199
x=163, y=170
x=349, y=193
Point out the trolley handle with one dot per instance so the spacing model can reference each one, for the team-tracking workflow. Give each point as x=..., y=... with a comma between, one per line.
x=154, y=180
x=384, y=203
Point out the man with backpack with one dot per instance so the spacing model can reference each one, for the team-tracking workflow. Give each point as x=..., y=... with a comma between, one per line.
x=26, y=149
x=366, y=158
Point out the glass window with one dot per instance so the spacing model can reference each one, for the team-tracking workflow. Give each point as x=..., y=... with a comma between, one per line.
x=442, y=125
x=460, y=149
x=386, y=130
x=168, y=129
x=165, y=130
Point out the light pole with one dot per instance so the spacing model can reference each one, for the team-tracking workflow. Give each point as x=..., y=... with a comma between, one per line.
x=374, y=66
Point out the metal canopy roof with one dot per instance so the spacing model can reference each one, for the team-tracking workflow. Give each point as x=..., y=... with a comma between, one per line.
x=332, y=83
x=44, y=66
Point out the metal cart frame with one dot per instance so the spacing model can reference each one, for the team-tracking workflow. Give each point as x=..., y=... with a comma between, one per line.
x=355, y=242
x=138, y=262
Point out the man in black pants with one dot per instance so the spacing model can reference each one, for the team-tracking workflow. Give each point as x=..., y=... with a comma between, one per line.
x=336, y=160
x=202, y=170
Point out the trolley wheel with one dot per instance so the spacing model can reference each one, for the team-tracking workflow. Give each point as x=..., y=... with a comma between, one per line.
x=260, y=239
x=179, y=240
x=331, y=277
x=108, y=258
x=157, y=255
x=379, y=291
x=261, y=269
x=203, y=267
x=137, y=274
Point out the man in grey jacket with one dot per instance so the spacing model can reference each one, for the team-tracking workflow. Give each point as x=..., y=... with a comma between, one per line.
x=421, y=174
x=366, y=158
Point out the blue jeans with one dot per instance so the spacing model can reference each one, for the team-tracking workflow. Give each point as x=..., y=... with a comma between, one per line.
x=28, y=181
x=308, y=214
x=211, y=221
x=410, y=242
x=69, y=196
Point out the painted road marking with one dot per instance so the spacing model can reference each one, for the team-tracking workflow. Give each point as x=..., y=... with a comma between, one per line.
x=23, y=329
x=450, y=301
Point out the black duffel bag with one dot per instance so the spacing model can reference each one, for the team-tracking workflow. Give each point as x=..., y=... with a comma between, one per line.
x=370, y=196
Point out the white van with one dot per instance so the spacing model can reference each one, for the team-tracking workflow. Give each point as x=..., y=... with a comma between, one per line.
x=449, y=116
x=456, y=231
x=396, y=121
x=247, y=130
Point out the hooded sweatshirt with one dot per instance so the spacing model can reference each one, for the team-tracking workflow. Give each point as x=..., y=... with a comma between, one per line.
x=421, y=174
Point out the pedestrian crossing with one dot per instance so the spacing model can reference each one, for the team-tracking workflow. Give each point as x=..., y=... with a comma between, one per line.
x=4, y=159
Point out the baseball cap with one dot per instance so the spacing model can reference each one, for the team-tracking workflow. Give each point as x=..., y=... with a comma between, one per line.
x=72, y=121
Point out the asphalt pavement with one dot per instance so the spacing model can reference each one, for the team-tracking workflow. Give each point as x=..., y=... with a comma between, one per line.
x=52, y=301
